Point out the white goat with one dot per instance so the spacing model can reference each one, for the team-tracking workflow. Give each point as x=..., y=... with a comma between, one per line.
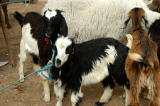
x=90, y=19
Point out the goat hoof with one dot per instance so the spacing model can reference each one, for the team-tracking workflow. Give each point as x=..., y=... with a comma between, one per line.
x=46, y=98
x=99, y=104
x=80, y=99
x=77, y=104
x=21, y=80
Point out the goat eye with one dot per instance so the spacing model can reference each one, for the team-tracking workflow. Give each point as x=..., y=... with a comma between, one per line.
x=69, y=50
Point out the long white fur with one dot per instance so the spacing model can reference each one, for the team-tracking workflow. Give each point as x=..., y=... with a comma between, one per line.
x=88, y=19
x=106, y=95
x=136, y=57
x=50, y=14
x=130, y=40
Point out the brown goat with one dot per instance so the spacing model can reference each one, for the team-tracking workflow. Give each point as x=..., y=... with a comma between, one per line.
x=142, y=64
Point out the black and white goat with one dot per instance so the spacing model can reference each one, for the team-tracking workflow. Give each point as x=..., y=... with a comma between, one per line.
x=76, y=65
x=37, y=32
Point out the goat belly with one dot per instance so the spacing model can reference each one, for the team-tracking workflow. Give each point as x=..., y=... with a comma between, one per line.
x=30, y=43
x=99, y=60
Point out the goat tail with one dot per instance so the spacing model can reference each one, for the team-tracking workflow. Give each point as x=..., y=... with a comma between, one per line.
x=130, y=40
x=18, y=17
x=138, y=58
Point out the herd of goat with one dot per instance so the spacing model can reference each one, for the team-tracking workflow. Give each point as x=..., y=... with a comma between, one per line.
x=87, y=37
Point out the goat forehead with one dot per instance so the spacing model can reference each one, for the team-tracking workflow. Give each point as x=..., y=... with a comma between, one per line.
x=63, y=42
x=50, y=13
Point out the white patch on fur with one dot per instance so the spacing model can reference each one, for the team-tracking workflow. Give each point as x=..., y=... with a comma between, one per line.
x=49, y=14
x=100, y=69
x=59, y=92
x=135, y=57
x=61, y=44
x=106, y=95
x=30, y=43
x=58, y=82
x=127, y=96
x=80, y=94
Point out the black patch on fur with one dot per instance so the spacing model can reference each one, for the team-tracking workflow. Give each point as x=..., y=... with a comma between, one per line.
x=35, y=59
x=154, y=32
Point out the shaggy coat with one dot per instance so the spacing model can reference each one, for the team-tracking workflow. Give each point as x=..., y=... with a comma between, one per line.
x=142, y=65
x=90, y=19
x=89, y=63
x=39, y=33
x=4, y=7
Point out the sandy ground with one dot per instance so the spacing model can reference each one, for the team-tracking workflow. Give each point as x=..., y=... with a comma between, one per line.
x=29, y=93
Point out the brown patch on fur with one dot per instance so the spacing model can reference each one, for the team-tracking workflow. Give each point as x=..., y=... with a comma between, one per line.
x=143, y=73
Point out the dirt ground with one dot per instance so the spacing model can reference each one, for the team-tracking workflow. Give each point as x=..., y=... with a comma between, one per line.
x=29, y=93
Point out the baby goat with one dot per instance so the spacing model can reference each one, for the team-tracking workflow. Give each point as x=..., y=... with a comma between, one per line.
x=87, y=63
x=37, y=32
x=142, y=65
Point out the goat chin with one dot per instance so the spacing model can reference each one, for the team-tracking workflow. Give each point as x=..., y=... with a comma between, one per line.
x=136, y=57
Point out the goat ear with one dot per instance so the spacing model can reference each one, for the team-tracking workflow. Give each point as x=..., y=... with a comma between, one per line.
x=63, y=27
x=126, y=22
x=44, y=13
x=145, y=21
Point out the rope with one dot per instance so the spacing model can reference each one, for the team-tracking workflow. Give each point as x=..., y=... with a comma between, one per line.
x=11, y=2
x=50, y=62
x=40, y=70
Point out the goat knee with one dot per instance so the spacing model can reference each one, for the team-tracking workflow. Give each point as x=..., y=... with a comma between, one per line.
x=59, y=92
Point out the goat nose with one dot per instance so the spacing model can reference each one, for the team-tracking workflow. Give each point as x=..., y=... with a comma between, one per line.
x=58, y=61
